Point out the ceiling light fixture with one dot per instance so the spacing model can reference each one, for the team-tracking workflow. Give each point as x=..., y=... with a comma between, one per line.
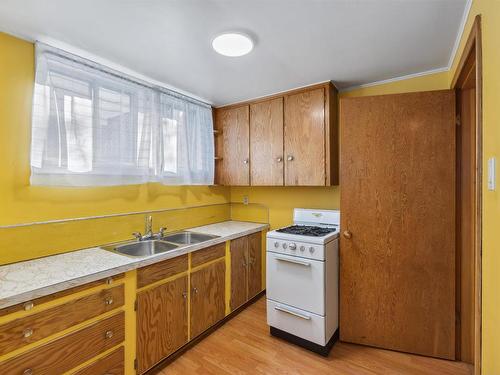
x=232, y=44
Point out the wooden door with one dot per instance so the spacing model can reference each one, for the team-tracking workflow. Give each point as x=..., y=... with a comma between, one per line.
x=254, y=264
x=161, y=322
x=397, y=284
x=305, y=138
x=239, y=272
x=207, y=297
x=266, y=143
x=233, y=145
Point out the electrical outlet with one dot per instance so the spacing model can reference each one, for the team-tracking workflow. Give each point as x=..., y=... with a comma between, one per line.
x=492, y=174
x=245, y=199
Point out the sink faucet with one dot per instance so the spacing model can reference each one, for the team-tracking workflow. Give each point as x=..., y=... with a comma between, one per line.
x=148, y=228
x=148, y=231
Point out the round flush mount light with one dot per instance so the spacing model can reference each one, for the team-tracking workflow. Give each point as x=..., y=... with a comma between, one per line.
x=232, y=44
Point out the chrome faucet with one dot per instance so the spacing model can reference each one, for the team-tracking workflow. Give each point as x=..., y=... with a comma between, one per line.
x=148, y=227
x=148, y=231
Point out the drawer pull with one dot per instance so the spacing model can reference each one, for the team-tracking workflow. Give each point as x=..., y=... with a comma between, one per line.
x=109, y=280
x=108, y=301
x=302, y=316
x=302, y=263
x=28, y=306
x=109, y=334
x=27, y=333
x=28, y=371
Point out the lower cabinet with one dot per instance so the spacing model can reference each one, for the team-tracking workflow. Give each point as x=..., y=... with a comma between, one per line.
x=162, y=322
x=207, y=297
x=246, y=268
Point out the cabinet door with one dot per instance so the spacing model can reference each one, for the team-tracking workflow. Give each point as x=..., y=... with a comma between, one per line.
x=161, y=322
x=305, y=138
x=239, y=272
x=266, y=143
x=207, y=297
x=233, y=146
x=254, y=264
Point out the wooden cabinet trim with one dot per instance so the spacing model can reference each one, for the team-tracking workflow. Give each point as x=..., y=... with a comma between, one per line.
x=161, y=270
x=111, y=364
x=34, y=303
x=208, y=254
x=24, y=331
x=67, y=352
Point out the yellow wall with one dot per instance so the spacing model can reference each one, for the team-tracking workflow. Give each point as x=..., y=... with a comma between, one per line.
x=22, y=203
x=436, y=81
x=490, y=18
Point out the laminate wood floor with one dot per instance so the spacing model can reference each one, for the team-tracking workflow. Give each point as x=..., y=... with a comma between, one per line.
x=243, y=346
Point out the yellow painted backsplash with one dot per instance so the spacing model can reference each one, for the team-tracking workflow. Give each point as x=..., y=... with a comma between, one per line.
x=280, y=201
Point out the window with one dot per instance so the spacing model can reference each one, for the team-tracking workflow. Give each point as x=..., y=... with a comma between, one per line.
x=93, y=126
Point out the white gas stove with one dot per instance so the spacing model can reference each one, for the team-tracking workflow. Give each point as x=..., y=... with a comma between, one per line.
x=302, y=279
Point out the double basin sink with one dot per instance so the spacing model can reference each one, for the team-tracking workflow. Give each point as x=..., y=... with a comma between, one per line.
x=159, y=245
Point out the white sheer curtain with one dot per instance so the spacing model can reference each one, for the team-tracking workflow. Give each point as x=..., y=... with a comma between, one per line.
x=93, y=126
x=186, y=152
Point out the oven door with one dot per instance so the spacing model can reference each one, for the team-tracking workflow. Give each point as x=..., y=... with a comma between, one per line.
x=297, y=282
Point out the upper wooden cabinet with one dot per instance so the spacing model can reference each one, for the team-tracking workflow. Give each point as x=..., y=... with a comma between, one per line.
x=290, y=139
x=305, y=138
x=266, y=128
x=232, y=146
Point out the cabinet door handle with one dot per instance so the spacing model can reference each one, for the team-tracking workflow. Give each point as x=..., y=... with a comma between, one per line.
x=184, y=295
x=28, y=371
x=27, y=333
x=195, y=290
x=290, y=158
x=300, y=262
x=279, y=159
x=302, y=316
x=246, y=161
x=347, y=234
x=28, y=306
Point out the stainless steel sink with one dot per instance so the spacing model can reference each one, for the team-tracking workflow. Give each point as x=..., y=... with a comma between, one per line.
x=188, y=238
x=142, y=248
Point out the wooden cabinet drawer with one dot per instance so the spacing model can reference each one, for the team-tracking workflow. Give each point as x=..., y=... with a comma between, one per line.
x=38, y=301
x=208, y=254
x=112, y=364
x=67, y=352
x=162, y=270
x=19, y=332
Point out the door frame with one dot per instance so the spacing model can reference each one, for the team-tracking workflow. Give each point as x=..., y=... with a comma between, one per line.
x=474, y=44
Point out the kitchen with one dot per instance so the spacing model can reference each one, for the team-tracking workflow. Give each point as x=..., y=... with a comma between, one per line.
x=226, y=192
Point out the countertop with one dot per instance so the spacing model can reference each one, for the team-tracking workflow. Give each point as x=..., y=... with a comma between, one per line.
x=24, y=281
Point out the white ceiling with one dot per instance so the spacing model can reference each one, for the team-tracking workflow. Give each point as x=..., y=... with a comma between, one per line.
x=298, y=42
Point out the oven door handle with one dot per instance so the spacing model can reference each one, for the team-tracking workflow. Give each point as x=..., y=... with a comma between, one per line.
x=302, y=263
x=302, y=316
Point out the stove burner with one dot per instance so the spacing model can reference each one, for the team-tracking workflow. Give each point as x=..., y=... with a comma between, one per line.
x=306, y=230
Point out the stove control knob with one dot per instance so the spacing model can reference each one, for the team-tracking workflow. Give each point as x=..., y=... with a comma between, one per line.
x=311, y=249
x=302, y=248
x=293, y=246
x=284, y=245
x=276, y=244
